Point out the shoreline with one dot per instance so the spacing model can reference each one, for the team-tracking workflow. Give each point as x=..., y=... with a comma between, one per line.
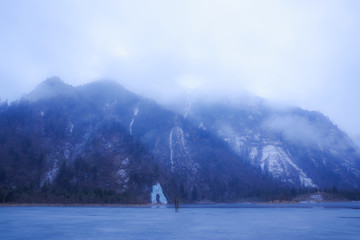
x=75, y=205
x=184, y=205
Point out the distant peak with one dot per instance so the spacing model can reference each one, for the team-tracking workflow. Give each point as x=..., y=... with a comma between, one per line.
x=106, y=83
x=50, y=88
x=105, y=89
x=53, y=81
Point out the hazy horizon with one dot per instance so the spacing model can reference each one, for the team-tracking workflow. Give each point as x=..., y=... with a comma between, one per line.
x=303, y=54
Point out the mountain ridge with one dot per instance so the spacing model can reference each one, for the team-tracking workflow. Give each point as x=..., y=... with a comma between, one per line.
x=100, y=142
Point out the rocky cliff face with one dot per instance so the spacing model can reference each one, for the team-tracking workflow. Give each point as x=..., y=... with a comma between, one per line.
x=102, y=143
x=299, y=147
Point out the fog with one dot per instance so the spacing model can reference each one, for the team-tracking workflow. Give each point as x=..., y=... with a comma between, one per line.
x=300, y=130
x=302, y=53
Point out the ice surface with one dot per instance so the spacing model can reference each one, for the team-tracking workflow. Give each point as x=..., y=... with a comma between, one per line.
x=70, y=223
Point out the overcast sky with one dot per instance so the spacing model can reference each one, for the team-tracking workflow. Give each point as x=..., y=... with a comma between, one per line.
x=303, y=53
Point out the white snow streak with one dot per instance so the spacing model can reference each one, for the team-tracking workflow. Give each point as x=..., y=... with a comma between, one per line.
x=179, y=151
x=181, y=134
x=71, y=127
x=51, y=174
x=136, y=112
x=187, y=110
x=131, y=124
x=171, y=149
x=238, y=144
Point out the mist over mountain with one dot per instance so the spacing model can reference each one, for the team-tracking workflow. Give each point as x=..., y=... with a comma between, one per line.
x=102, y=143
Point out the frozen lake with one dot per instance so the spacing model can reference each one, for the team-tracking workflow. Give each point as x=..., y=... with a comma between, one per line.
x=235, y=221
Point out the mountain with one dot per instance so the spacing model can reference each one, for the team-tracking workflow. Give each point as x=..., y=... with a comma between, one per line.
x=50, y=88
x=100, y=143
x=290, y=144
x=64, y=144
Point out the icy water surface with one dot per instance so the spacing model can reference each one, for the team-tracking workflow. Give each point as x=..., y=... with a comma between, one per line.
x=238, y=221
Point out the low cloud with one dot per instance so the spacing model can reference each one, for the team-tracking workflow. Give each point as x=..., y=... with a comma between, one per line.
x=298, y=129
x=304, y=53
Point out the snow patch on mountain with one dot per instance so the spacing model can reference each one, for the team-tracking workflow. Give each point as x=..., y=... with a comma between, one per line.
x=177, y=134
x=238, y=144
x=126, y=161
x=180, y=157
x=122, y=174
x=157, y=195
x=201, y=125
x=122, y=178
x=67, y=153
x=253, y=153
x=108, y=145
x=315, y=198
x=275, y=161
x=51, y=174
